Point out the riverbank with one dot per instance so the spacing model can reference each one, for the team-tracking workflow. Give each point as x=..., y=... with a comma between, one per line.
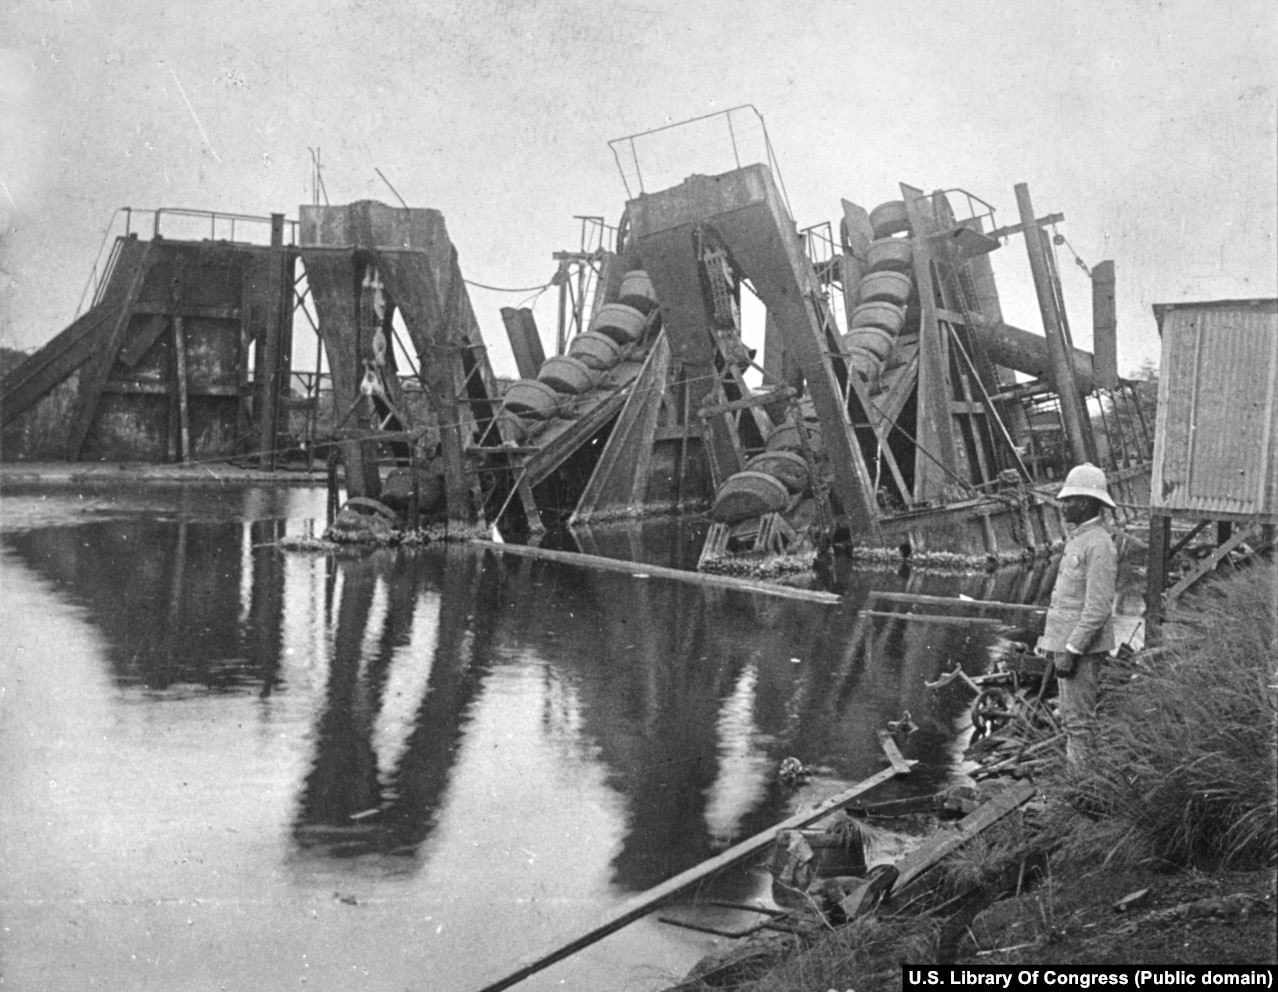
x=1161, y=848
x=14, y=474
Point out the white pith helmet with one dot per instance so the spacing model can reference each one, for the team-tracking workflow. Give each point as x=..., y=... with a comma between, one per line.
x=1086, y=480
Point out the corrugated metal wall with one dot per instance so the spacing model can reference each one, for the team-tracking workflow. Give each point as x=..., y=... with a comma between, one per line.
x=1217, y=426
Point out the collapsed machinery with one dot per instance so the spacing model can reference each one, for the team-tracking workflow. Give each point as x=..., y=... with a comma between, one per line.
x=889, y=404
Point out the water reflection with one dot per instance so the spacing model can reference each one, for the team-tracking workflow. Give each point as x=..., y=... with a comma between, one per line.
x=412, y=644
x=180, y=603
x=685, y=698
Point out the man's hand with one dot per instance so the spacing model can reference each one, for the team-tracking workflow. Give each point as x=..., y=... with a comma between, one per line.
x=1066, y=663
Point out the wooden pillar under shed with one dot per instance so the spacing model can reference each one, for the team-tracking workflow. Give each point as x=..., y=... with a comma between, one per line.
x=1156, y=566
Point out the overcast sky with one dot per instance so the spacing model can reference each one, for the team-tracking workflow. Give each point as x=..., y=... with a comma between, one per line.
x=1149, y=125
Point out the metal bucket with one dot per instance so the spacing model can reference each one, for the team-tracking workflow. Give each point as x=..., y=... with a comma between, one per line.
x=624, y=324
x=748, y=494
x=888, y=316
x=397, y=491
x=595, y=350
x=875, y=340
x=565, y=374
x=886, y=286
x=787, y=467
x=864, y=363
x=889, y=218
x=786, y=438
x=895, y=254
x=517, y=427
x=636, y=291
x=533, y=399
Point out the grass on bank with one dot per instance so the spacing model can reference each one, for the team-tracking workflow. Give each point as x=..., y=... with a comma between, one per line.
x=1180, y=774
x=1183, y=765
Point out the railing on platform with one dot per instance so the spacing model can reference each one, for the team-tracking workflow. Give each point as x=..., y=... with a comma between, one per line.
x=236, y=228
x=210, y=225
x=711, y=144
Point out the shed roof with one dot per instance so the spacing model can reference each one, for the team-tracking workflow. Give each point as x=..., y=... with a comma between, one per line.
x=1162, y=309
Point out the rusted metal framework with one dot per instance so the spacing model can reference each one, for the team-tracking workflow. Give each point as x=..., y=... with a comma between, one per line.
x=1216, y=440
x=925, y=421
x=889, y=404
x=157, y=367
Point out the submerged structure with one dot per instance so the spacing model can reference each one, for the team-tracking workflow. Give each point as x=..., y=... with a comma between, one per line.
x=886, y=403
x=182, y=354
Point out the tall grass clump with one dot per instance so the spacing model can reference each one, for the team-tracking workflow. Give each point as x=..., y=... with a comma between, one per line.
x=866, y=955
x=1182, y=764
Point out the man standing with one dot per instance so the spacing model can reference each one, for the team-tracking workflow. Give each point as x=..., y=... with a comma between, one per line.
x=1080, y=631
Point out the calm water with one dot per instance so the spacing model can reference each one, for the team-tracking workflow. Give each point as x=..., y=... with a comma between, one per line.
x=226, y=767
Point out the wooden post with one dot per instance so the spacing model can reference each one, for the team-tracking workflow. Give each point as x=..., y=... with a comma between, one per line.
x=1104, y=325
x=936, y=455
x=561, y=336
x=334, y=495
x=640, y=569
x=1062, y=369
x=179, y=373
x=525, y=341
x=943, y=842
x=98, y=369
x=1156, y=567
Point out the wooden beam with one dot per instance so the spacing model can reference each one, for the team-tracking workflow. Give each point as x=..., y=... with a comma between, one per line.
x=525, y=341
x=977, y=604
x=621, y=475
x=1104, y=325
x=52, y=364
x=188, y=310
x=755, y=399
x=641, y=570
x=963, y=320
x=935, y=461
x=127, y=388
x=1003, y=232
x=179, y=378
x=78, y=344
x=644, y=903
x=1179, y=546
x=882, y=428
x=1156, y=567
x=894, y=755
x=944, y=842
x=98, y=370
x=934, y=618
x=1058, y=348
x=1206, y=565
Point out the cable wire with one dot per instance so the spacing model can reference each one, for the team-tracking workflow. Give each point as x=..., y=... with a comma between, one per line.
x=502, y=289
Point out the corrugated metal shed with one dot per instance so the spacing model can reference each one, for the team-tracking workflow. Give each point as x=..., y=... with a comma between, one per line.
x=1217, y=426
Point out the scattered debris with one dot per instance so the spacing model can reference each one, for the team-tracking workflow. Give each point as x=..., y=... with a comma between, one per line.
x=1131, y=901
x=793, y=772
